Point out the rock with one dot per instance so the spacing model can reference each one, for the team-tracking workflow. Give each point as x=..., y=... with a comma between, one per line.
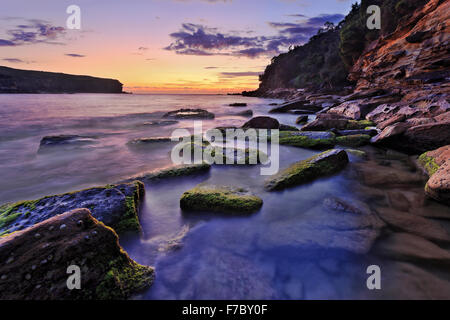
x=416, y=225
x=296, y=105
x=321, y=165
x=48, y=143
x=107, y=272
x=245, y=113
x=302, y=119
x=170, y=172
x=304, y=139
x=325, y=124
x=356, y=140
x=378, y=175
x=262, y=123
x=189, y=114
x=357, y=153
x=438, y=186
x=388, y=135
x=220, y=199
x=151, y=140
x=300, y=111
x=160, y=123
x=392, y=120
x=364, y=94
x=285, y=127
x=412, y=122
x=238, y=104
x=418, y=36
x=355, y=110
x=370, y=132
x=322, y=231
x=346, y=205
x=114, y=205
x=408, y=247
x=431, y=161
x=425, y=137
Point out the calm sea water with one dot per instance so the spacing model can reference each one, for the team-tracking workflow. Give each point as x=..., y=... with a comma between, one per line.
x=205, y=256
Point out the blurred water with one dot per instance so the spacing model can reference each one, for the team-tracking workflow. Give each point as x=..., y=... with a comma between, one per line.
x=205, y=255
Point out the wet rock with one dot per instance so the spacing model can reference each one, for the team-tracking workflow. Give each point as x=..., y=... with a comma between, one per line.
x=221, y=199
x=65, y=139
x=304, y=139
x=378, y=175
x=438, y=186
x=323, y=230
x=370, y=132
x=245, y=113
x=114, y=205
x=355, y=110
x=302, y=119
x=160, y=123
x=388, y=135
x=189, y=114
x=357, y=153
x=151, y=140
x=107, y=271
x=416, y=225
x=171, y=172
x=262, y=123
x=238, y=104
x=325, y=124
x=323, y=164
x=346, y=205
x=356, y=140
x=285, y=127
x=403, y=200
x=296, y=105
x=408, y=247
x=430, y=161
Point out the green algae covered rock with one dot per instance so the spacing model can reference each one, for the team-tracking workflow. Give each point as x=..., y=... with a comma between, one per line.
x=36, y=261
x=356, y=140
x=311, y=140
x=359, y=124
x=320, y=165
x=220, y=199
x=114, y=205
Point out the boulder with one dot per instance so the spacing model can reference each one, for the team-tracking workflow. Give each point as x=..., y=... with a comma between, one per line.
x=220, y=199
x=325, y=124
x=355, y=110
x=419, y=226
x=189, y=114
x=323, y=164
x=304, y=139
x=438, y=186
x=296, y=105
x=262, y=123
x=387, y=177
x=370, y=132
x=354, y=141
x=114, y=205
x=170, y=172
x=238, y=104
x=36, y=260
x=408, y=247
x=285, y=127
x=301, y=119
x=245, y=113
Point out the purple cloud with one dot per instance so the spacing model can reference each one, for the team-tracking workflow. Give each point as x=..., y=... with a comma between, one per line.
x=35, y=31
x=75, y=55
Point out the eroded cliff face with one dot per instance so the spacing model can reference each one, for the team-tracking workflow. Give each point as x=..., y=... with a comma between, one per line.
x=26, y=81
x=414, y=59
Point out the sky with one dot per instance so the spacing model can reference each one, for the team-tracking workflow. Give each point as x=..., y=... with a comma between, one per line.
x=161, y=46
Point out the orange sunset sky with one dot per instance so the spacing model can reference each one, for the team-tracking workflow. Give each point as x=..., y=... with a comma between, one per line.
x=161, y=46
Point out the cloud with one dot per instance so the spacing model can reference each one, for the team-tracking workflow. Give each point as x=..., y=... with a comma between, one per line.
x=75, y=55
x=142, y=48
x=239, y=74
x=211, y=67
x=16, y=60
x=200, y=40
x=33, y=31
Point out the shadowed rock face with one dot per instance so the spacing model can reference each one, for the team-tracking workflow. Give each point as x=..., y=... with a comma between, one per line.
x=25, y=81
x=114, y=205
x=35, y=261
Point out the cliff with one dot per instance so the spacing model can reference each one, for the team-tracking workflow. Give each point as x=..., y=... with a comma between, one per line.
x=26, y=81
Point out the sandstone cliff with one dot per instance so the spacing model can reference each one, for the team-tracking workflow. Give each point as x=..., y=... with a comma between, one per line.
x=25, y=81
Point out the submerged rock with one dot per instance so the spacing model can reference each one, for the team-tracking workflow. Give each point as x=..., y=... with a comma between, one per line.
x=285, y=127
x=320, y=165
x=114, y=205
x=408, y=247
x=170, y=172
x=189, y=114
x=221, y=199
x=36, y=266
x=144, y=141
x=301, y=119
x=262, y=123
x=238, y=104
x=49, y=143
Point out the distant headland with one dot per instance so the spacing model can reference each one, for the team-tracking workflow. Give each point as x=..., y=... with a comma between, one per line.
x=27, y=81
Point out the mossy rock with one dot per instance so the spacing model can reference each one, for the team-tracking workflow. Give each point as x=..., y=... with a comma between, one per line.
x=323, y=164
x=428, y=164
x=171, y=172
x=115, y=205
x=220, y=199
x=356, y=140
x=357, y=153
x=359, y=124
x=240, y=156
x=302, y=140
